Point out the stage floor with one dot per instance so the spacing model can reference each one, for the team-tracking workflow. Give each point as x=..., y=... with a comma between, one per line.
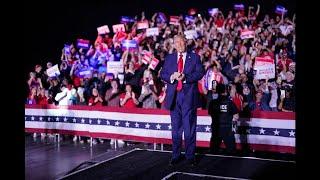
x=47, y=159
x=150, y=164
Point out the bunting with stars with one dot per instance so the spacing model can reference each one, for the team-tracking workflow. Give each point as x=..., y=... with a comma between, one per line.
x=268, y=131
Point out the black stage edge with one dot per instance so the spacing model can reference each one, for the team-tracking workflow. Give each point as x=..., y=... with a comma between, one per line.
x=149, y=164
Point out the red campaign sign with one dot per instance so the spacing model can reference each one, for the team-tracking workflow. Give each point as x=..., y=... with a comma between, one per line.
x=143, y=25
x=146, y=57
x=247, y=34
x=174, y=20
x=153, y=64
x=259, y=61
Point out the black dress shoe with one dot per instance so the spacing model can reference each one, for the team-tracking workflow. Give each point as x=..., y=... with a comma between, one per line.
x=192, y=162
x=175, y=161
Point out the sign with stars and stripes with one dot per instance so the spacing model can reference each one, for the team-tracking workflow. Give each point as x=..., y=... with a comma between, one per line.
x=266, y=131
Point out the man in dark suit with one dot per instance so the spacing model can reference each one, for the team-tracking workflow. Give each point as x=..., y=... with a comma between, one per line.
x=181, y=71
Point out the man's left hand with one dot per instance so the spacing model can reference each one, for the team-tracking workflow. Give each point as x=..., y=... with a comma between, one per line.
x=181, y=77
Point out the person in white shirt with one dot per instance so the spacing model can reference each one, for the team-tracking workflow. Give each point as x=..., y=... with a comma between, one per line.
x=64, y=96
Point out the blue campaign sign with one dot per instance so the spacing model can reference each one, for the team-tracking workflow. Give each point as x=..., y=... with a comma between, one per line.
x=129, y=44
x=126, y=19
x=280, y=10
x=239, y=7
x=189, y=19
x=66, y=49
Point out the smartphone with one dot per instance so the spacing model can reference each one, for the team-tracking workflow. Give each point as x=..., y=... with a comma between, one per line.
x=254, y=72
x=282, y=93
x=121, y=78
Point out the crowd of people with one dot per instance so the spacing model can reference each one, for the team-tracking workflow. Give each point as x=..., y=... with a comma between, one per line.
x=227, y=58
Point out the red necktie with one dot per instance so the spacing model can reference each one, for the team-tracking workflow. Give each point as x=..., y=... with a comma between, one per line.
x=180, y=68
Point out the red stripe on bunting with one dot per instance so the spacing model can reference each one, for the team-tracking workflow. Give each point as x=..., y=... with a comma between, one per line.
x=255, y=114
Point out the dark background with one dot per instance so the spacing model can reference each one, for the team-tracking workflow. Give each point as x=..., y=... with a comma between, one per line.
x=50, y=24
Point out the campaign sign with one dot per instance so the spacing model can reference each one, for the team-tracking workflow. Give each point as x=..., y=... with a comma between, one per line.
x=190, y=34
x=174, y=20
x=53, y=71
x=143, y=25
x=126, y=19
x=213, y=11
x=238, y=7
x=162, y=17
x=280, y=10
x=115, y=67
x=189, y=19
x=83, y=43
x=118, y=27
x=247, y=34
x=265, y=68
x=66, y=49
x=103, y=29
x=129, y=44
x=153, y=64
x=152, y=32
x=85, y=73
x=146, y=56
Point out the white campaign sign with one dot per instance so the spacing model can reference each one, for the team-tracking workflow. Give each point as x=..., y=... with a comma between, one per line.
x=265, y=68
x=152, y=32
x=190, y=34
x=103, y=29
x=53, y=71
x=115, y=67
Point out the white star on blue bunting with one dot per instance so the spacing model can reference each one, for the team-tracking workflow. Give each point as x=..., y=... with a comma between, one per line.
x=147, y=125
x=127, y=124
x=292, y=133
x=262, y=131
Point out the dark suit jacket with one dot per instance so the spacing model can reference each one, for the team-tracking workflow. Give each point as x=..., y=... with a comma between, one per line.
x=193, y=70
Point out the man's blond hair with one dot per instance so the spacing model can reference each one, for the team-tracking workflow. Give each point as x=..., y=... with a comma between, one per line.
x=179, y=36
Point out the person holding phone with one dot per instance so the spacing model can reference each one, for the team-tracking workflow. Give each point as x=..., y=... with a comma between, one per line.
x=260, y=102
x=148, y=95
x=128, y=99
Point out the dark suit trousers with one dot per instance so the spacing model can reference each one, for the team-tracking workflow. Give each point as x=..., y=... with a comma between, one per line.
x=183, y=119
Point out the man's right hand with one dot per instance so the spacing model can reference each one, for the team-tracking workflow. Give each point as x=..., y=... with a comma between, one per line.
x=175, y=76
